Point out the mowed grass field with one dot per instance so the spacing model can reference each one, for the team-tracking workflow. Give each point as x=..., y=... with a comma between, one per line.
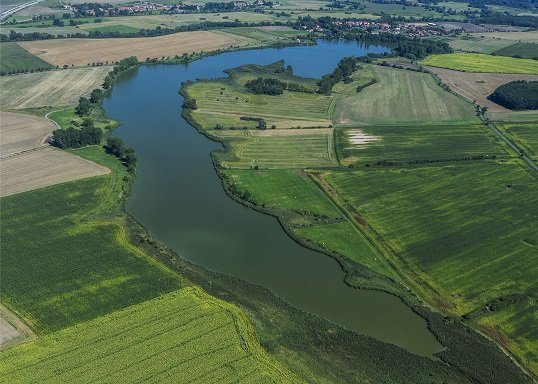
x=184, y=336
x=308, y=212
x=524, y=37
x=476, y=87
x=400, y=96
x=524, y=50
x=468, y=231
x=225, y=101
x=81, y=52
x=59, y=269
x=14, y=57
x=277, y=148
x=54, y=88
x=525, y=135
x=475, y=62
x=409, y=143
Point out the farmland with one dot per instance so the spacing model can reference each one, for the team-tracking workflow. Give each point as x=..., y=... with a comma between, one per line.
x=74, y=270
x=524, y=135
x=474, y=62
x=477, y=87
x=182, y=336
x=476, y=43
x=14, y=57
x=294, y=148
x=407, y=144
x=523, y=50
x=399, y=96
x=53, y=88
x=492, y=202
x=524, y=37
x=81, y=52
x=225, y=101
x=29, y=163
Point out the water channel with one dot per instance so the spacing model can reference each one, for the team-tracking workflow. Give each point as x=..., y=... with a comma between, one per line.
x=179, y=198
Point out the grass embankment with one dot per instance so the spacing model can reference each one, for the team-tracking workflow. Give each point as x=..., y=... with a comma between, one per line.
x=475, y=62
x=184, y=336
x=225, y=101
x=14, y=58
x=398, y=97
x=427, y=222
x=404, y=144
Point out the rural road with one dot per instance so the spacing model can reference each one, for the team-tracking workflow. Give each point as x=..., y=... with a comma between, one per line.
x=519, y=151
x=18, y=8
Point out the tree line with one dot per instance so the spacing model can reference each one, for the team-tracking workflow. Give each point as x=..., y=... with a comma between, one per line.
x=271, y=86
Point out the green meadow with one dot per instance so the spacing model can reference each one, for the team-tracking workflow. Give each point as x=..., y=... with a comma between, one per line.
x=399, y=96
x=225, y=101
x=475, y=62
x=523, y=50
x=293, y=148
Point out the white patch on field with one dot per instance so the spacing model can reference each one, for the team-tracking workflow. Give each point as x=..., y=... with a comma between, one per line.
x=358, y=138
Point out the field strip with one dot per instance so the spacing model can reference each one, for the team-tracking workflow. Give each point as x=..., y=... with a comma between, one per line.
x=81, y=52
x=42, y=168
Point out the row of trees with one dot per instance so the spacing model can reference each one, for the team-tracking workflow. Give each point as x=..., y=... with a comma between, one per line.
x=517, y=95
x=120, y=66
x=116, y=147
x=342, y=72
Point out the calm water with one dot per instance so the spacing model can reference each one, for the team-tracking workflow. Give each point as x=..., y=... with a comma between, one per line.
x=179, y=198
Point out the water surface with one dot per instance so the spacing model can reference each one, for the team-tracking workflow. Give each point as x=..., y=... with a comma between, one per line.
x=179, y=198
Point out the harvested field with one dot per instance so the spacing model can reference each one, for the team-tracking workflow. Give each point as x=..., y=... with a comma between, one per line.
x=477, y=86
x=12, y=329
x=80, y=52
x=22, y=132
x=526, y=37
x=55, y=88
x=43, y=167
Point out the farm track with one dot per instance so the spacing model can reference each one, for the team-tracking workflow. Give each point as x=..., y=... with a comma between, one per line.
x=513, y=146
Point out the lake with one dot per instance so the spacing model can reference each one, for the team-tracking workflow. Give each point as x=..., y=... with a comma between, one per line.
x=178, y=197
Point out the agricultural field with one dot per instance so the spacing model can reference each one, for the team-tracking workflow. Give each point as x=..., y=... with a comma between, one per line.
x=524, y=50
x=172, y=21
x=74, y=270
x=28, y=163
x=475, y=43
x=436, y=243
x=14, y=57
x=267, y=34
x=290, y=148
x=226, y=101
x=407, y=144
x=23, y=132
x=184, y=336
x=81, y=52
x=476, y=87
x=399, y=96
x=474, y=62
x=52, y=88
x=523, y=37
x=524, y=135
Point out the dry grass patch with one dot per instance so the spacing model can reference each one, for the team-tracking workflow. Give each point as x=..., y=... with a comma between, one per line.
x=477, y=86
x=43, y=167
x=55, y=88
x=80, y=52
x=22, y=132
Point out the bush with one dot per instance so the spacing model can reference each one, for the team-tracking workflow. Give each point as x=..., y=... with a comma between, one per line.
x=266, y=86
